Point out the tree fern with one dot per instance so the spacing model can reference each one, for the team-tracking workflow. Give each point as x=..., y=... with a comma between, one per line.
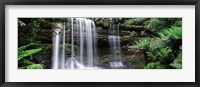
x=141, y=44
x=26, y=53
x=23, y=63
x=157, y=43
x=155, y=65
x=164, y=52
x=177, y=63
x=24, y=47
x=173, y=32
x=32, y=66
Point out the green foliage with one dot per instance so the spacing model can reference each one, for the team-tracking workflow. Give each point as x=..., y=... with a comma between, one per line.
x=32, y=66
x=105, y=58
x=24, y=63
x=173, y=32
x=102, y=21
x=133, y=33
x=160, y=57
x=177, y=63
x=156, y=24
x=178, y=23
x=135, y=21
x=161, y=50
x=24, y=47
x=26, y=53
x=162, y=47
x=29, y=31
x=126, y=38
x=142, y=44
x=33, y=29
x=155, y=65
x=164, y=54
x=157, y=43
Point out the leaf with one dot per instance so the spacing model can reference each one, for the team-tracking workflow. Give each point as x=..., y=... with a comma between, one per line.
x=173, y=32
x=155, y=65
x=177, y=63
x=141, y=44
x=24, y=47
x=26, y=53
x=33, y=66
x=27, y=62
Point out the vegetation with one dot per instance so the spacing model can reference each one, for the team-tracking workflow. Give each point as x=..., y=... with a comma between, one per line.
x=23, y=62
x=162, y=51
x=149, y=43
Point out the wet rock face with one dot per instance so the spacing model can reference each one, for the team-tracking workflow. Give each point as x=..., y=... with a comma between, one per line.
x=58, y=25
x=57, y=28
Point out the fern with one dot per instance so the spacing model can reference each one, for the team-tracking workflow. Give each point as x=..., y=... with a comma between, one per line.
x=157, y=43
x=164, y=52
x=24, y=47
x=155, y=65
x=173, y=32
x=135, y=21
x=26, y=53
x=177, y=63
x=178, y=23
x=24, y=63
x=156, y=24
x=141, y=44
x=33, y=66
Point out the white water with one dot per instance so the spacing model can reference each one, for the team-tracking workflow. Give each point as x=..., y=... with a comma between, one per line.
x=56, y=43
x=83, y=46
x=72, y=63
x=115, y=48
x=63, y=48
x=85, y=33
x=58, y=57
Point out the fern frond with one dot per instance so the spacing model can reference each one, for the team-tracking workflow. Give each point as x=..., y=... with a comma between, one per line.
x=33, y=66
x=141, y=44
x=173, y=32
x=157, y=43
x=164, y=52
x=177, y=63
x=155, y=65
x=27, y=62
x=24, y=47
x=26, y=53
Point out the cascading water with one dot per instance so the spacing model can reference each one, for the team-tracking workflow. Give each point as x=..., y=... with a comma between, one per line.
x=85, y=32
x=58, y=46
x=115, y=49
x=83, y=45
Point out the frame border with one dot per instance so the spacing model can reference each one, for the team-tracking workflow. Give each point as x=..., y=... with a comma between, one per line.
x=98, y=2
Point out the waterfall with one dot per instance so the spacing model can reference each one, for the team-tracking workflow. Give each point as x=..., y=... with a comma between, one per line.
x=58, y=32
x=83, y=31
x=115, y=48
x=83, y=45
